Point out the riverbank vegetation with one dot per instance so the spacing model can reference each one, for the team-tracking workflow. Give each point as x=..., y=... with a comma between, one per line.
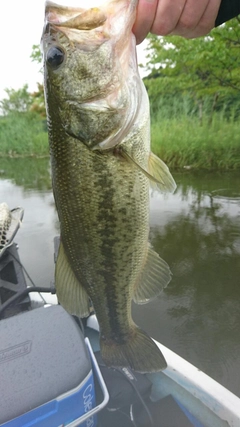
x=194, y=92
x=23, y=128
x=23, y=135
x=184, y=140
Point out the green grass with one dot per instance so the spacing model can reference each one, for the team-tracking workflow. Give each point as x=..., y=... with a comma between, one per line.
x=182, y=141
x=178, y=137
x=23, y=134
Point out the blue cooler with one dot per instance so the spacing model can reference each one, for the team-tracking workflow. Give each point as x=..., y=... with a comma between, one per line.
x=46, y=377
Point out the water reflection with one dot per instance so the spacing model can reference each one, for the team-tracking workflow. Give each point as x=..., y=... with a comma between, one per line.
x=27, y=183
x=29, y=173
x=196, y=230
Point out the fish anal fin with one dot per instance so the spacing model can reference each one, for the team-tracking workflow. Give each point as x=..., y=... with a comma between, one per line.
x=139, y=352
x=163, y=178
x=154, y=277
x=70, y=292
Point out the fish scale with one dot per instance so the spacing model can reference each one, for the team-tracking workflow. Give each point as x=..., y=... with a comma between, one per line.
x=10, y=221
x=98, y=124
x=5, y=221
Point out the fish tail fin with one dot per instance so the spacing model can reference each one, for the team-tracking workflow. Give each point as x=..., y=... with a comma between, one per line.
x=139, y=352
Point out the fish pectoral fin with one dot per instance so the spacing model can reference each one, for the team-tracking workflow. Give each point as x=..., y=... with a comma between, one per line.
x=158, y=173
x=163, y=179
x=154, y=277
x=71, y=294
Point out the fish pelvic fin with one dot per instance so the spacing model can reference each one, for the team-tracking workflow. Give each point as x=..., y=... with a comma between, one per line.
x=158, y=172
x=154, y=277
x=139, y=352
x=70, y=292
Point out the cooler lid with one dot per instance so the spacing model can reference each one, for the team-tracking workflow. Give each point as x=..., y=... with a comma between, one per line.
x=42, y=355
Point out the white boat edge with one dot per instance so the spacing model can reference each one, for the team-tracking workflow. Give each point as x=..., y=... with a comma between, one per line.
x=216, y=397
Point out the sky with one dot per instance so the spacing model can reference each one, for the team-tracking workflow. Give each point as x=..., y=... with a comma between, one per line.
x=21, y=28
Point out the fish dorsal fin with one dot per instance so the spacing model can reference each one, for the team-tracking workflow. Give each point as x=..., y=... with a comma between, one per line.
x=154, y=277
x=158, y=173
x=70, y=292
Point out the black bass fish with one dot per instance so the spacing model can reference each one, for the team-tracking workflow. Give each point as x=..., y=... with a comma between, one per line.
x=98, y=124
x=10, y=221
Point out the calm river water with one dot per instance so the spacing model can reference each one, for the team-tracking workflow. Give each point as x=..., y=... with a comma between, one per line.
x=196, y=230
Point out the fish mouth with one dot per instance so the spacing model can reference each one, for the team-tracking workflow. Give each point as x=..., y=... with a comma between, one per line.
x=76, y=24
x=74, y=18
x=93, y=16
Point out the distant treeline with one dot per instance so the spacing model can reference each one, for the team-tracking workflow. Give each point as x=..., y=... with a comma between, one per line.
x=206, y=69
x=194, y=92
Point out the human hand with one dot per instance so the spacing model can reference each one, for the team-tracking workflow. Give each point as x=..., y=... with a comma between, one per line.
x=187, y=18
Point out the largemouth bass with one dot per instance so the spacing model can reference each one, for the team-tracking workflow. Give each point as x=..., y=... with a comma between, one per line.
x=10, y=221
x=98, y=123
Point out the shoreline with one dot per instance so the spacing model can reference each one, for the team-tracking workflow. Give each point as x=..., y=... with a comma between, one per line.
x=172, y=165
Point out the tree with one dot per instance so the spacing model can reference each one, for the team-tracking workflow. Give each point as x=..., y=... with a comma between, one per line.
x=38, y=104
x=36, y=55
x=21, y=100
x=17, y=101
x=38, y=101
x=204, y=67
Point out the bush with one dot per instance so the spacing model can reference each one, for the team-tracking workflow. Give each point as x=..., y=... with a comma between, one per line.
x=23, y=134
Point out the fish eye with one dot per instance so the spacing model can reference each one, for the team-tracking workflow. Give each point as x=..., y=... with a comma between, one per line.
x=55, y=57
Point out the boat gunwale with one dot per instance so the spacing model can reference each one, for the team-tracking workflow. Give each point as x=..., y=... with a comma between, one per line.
x=220, y=400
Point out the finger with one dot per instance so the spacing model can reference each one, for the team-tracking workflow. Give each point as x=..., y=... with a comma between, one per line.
x=145, y=16
x=203, y=26
x=190, y=17
x=167, y=16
